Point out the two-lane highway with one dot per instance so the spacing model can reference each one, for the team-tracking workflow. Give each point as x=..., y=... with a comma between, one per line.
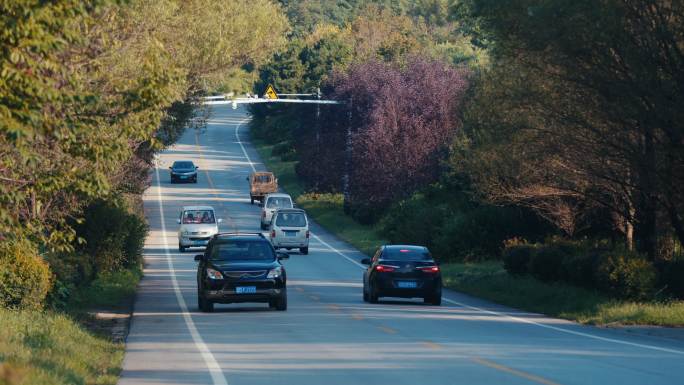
x=329, y=335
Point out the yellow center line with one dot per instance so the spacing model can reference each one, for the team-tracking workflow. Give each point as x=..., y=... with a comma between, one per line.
x=387, y=330
x=515, y=372
x=210, y=181
x=299, y=289
x=334, y=307
x=314, y=297
x=357, y=317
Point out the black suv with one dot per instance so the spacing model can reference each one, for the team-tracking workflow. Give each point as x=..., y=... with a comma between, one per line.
x=402, y=271
x=239, y=267
x=183, y=171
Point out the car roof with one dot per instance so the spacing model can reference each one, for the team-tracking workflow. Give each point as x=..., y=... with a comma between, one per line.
x=183, y=160
x=193, y=208
x=244, y=236
x=262, y=173
x=292, y=210
x=278, y=195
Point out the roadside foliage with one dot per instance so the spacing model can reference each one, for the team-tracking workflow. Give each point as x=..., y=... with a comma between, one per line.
x=548, y=135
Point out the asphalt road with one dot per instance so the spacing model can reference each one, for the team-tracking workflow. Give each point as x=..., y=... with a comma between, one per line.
x=328, y=334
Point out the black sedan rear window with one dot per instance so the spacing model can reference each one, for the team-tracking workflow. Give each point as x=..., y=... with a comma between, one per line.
x=242, y=250
x=406, y=254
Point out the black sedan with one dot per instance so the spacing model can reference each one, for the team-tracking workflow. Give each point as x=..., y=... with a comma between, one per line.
x=402, y=271
x=238, y=267
x=183, y=171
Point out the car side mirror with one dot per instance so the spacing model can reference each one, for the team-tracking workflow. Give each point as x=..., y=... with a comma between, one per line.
x=219, y=220
x=170, y=168
x=178, y=221
x=199, y=257
x=247, y=179
x=282, y=256
x=366, y=261
x=196, y=167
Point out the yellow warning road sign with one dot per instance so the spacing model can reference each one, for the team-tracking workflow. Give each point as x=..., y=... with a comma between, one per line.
x=270, y=93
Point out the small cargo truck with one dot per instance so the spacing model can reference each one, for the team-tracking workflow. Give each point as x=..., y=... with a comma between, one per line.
x=261, y=184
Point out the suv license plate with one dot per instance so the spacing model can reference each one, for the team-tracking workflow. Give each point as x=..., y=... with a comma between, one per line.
x=407, y=284
x=245, y=290
x=290, y=233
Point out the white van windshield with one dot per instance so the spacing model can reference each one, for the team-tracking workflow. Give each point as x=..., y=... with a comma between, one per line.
x=279, y=203
x=198, y=216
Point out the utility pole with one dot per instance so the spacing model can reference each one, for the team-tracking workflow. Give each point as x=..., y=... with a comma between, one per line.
x=348, y=159
x=318, y=134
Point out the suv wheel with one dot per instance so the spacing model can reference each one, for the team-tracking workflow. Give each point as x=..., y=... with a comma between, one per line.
x=251, y=199
x=279, y=304
x=181, y=248
x=205, y=305
x=435, y=299
x=365, y=294
x=304, y=250
x=373, y=296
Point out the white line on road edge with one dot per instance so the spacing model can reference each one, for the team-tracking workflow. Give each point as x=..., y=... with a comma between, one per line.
x=214, y=369
x=587, y=335
x=237, y=137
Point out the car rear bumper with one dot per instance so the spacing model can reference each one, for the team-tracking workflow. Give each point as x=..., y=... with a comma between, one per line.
x=279, y=242
x=389, y=287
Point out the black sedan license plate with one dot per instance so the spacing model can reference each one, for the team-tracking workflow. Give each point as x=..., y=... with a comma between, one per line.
x=245, y=290
x=407, y=284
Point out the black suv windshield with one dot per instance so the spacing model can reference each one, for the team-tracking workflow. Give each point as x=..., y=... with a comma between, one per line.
x=183, y=165
x=242, y=250
x=407, y=254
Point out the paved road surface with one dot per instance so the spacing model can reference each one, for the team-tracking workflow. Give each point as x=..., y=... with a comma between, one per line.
x=329, y=335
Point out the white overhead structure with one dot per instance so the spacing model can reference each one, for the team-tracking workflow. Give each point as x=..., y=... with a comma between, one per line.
x=217, y=100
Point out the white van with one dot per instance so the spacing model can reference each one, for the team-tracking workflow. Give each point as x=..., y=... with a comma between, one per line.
x=289, y=229
x=273, y=202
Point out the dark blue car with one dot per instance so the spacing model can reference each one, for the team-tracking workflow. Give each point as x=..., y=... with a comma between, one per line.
x=183, y=171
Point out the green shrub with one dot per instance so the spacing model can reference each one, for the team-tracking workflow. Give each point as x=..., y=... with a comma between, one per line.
x=516, y=258
x=113, y=236
x=627, y=275
x=289, y=156
x=579, y=269
x=672, y=277
x=413, y=221
x=70, y=270
x=546, y=264
x=281, y=148
x=25, y=278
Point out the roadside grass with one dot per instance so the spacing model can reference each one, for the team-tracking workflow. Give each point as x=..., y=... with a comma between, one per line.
x=49, y=348
x=489, y=280
x=486, y=280
x=69, y=346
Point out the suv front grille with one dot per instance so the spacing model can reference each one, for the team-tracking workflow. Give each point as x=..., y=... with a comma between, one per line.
x=244, y=274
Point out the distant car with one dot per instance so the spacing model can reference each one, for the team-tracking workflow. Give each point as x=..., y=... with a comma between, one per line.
x=289, y=229
x=183, y=171
x=402, y=271
x=237, y=268
x=272, y=202
x=197, y=225
x=260, y=184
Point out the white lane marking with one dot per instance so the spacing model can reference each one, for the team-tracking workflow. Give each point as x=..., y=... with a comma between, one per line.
x=215, y=371
x=605, y=339
x=324, y=243
x=581, y=334
x=237, y=137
